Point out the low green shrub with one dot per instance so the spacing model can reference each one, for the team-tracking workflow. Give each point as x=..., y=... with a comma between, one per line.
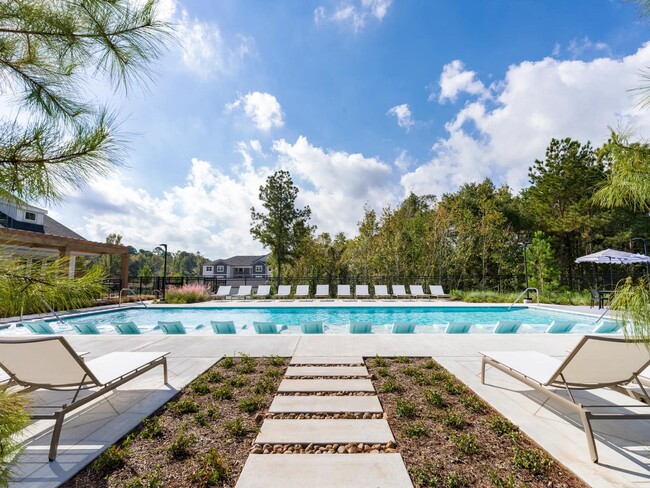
x=501, y=426
x=426, y=476
x=213, y=470
x=190, y=293
x=236, y=427
x=200, y=387
x=276, y=361
x=406, y=408
x=223, y=392
x=180, y=446
x=434, y=398
x=183, y=406
x=465, y=443
x=237, y=381
x=379, y=362
x=499, y=481
x=383, y=372
x=13, y=418
x=213, y=376
x=416, y=429
x=111, y=459
x=473, y=403
x=455, y=420
x=227, y=363
x=151, y=428
x=273, y=372
x=251, y=404
x=533, y=460
x=391, y=385
x=264, y=385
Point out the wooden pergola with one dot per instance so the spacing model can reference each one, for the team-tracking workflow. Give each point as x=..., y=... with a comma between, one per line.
x=26, y=242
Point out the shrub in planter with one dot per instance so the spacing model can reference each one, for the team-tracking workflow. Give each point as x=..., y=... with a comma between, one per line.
x=187, y=294
x=13, y=418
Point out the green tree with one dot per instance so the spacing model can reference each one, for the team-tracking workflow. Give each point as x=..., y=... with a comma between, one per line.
x=542, y=265
x=282, y=227
x=13, y=418
x=63, y=136
x=146, y=274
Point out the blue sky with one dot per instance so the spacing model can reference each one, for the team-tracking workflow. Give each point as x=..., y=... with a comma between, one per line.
x=362, y=101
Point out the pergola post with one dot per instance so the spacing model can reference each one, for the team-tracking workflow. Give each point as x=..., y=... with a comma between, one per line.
x=124, y=275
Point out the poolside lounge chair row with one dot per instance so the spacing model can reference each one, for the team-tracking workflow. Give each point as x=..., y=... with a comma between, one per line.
x=228, y=327
x=323, y=291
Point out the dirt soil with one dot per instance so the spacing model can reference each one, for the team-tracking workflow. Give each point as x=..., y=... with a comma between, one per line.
x=201, y=438
x=449, y=437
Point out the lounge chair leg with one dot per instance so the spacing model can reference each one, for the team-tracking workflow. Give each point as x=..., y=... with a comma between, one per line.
x=56, y=434
x=591, y=442
x=165, y=370
x=483, y=371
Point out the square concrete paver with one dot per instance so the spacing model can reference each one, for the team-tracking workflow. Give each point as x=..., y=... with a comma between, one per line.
x=326, y=371
x=324, y=471
x=327, y=360
x=324, y=431
x=313, y=386
x=325, y=404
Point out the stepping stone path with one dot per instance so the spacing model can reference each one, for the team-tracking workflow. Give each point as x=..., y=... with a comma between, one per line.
x=327, y=415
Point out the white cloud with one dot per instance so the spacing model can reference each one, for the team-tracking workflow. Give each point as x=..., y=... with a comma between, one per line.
x=585, y=46
x=341, y=183
x=204, y=51
x=403, y=114
x=355, y=13
x=455, y=79
x=500, y=135
x=262, y=108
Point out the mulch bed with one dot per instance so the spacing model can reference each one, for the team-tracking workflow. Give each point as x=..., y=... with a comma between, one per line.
x=449, y=437
x=201, y=438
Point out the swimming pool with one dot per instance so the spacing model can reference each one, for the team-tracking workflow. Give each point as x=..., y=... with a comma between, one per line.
x=430, y=319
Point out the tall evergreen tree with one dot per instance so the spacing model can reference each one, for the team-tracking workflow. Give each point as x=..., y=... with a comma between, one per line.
x=282, y=227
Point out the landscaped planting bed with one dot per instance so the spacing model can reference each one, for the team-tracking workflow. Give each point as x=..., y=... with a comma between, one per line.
x=449, y=437
x=201, y=438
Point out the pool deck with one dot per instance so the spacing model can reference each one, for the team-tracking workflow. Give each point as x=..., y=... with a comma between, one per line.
x=624, y=446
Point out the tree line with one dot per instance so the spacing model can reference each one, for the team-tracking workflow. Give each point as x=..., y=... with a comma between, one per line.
x=471, y=238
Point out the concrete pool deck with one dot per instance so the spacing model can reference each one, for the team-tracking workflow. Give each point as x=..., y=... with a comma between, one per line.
x=624, y=446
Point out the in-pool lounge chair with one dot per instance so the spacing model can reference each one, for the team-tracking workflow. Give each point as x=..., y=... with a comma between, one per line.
x=608, y=328
x=381, y=291
x=343, y=291
x=507, y=327
x=126, y=327
x=38, y=327
x=438, y=292
x=223, y=292
x=399, y=291
x=263, y=291
x=361, y=291
x=418, y=292
x=322, y=291
x=283, y=291
x=560, y=327
x=244, y=292
x=595, y=362
x=266, y=327
x=85, y=329
x=360, y=328
x=403, y=328
x=174, y=327
x=71, y=373
x=312, y=327
x=302, y=291
x=226, y=327
x=458, y=327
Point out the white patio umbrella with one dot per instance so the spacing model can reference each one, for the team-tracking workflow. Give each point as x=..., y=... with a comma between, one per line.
x=612, y=256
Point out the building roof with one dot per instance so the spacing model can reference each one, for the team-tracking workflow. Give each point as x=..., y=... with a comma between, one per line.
x=53, y=228
x=50, y=226
x=240, y=260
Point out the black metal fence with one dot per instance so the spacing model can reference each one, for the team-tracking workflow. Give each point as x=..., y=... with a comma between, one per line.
x=582, y=280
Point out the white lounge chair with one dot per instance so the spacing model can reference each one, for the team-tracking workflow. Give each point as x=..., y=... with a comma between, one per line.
x=263, y=291
x=595, y=362
x=458, y=327
x=312, y=327
x=438, y=292
x=403, y=328
x=343, y=291
x=361, y=291
x=381, y=291
x=302, y=291
x=223, y=327
x=223, y=292
x=322, y=291
x=360, y=328
x=283, y=291
x=560, y=327
x=418, y=292
x=243, y=292
x=399, y=291
x=507, y=327
x=71, y=373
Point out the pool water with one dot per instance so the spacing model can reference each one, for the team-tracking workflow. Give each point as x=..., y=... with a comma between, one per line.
x=335, y=319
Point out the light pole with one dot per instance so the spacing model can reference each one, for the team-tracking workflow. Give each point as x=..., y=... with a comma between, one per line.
x=164, y=273
x=645, y=251
x=526, y=244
